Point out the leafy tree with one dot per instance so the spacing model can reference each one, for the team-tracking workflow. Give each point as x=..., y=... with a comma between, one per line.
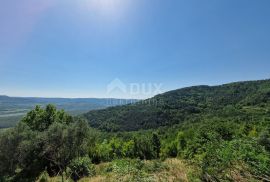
x=11, y=148
x=182, y=143
x=144, y=148
x=40, y=119
x=103, y=152
x=156, y=144
x=169, y=149
x=44, y=139
x=264, y=139
x=116, y=148
x=128, y=149
x=62, y=143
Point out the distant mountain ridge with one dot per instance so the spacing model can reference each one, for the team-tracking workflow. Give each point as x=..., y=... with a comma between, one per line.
x=178, y=106
x=13, y=108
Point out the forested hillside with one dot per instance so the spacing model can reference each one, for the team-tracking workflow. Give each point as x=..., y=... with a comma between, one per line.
x=201, y=133
x=192, y=103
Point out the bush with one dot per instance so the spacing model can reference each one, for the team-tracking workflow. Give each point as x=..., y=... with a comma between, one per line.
x=130, y=170
x=169, y=150
x=44, y=177
x=127, y=166
x=226, y=155
x=154, y=166
x=81, y=167
x=264, y=139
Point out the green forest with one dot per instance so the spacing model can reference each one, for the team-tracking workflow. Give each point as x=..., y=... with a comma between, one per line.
x=200, y=133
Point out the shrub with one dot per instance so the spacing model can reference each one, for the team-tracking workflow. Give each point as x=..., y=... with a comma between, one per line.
x=154, y=166
x=226, y=155
x=126, y=166
x=44, y=177
x=169, y=150
x=81, y=167
x=264, y=139
x=130, y=170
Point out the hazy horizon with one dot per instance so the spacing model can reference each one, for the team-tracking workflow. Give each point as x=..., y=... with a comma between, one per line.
x=59, y=97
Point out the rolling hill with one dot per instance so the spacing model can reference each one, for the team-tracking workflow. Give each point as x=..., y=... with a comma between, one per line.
x=218, y=133
x=186, y=104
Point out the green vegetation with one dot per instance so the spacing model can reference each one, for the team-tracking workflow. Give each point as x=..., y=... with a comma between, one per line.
x=203, y=133
x=12, y=109
x=240, y=99
x=81, y=167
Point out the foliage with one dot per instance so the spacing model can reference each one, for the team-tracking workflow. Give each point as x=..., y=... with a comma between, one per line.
x=61, y=143
x=12, y=109
x=177, y=106
x=81, y=167
x=44, y=177
x=135, y=169
x=49, y=144
x=221, y=131
x=40, y=119
x=264, y=139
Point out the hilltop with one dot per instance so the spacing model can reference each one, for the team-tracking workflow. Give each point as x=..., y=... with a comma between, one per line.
x=177, y=106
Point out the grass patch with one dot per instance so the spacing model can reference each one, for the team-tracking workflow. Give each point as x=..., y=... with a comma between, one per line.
x=129, y=170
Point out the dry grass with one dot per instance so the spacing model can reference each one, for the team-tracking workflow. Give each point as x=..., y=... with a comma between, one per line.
x=94, y=179
x=175, y=171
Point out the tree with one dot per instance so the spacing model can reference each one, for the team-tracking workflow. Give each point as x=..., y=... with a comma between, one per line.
x=144, y=147
x=156, y=144
x=19, y=150
x=264, y=139
x=128, y=149
x=44, y=139
x=62, y=143
x=182, y=143
x=9, y=143
x=40, y=119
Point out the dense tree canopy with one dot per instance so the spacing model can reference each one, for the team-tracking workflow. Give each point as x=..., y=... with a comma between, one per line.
x=192, y=103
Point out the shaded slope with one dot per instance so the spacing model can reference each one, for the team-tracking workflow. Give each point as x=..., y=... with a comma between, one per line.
x=180, y=105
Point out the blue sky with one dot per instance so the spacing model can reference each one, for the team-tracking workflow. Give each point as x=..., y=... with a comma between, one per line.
x=68, y=48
